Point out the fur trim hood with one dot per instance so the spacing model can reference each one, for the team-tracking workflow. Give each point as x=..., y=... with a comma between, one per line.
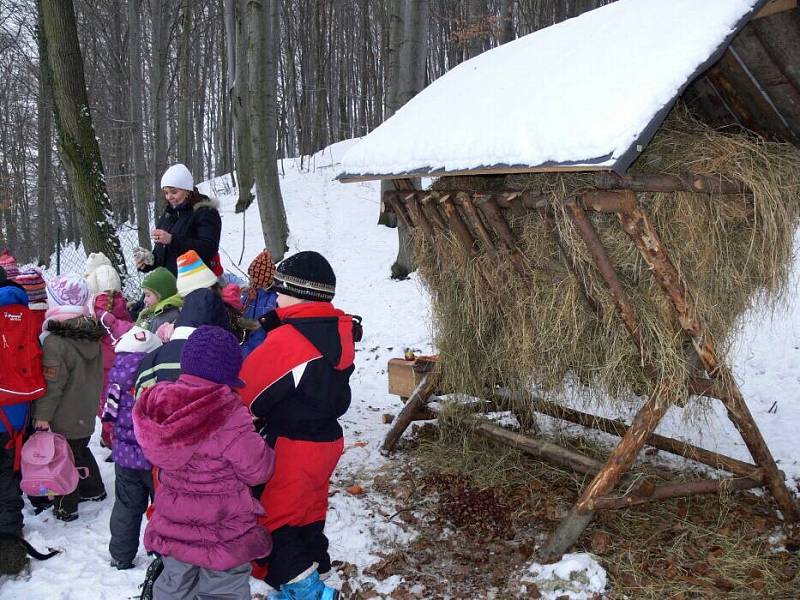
x=80, y=328
x=206, y=202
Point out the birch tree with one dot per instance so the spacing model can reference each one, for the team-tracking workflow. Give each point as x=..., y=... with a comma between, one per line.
x=137, y=139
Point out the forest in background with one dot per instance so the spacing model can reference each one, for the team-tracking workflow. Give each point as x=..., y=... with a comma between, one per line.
x=174, y=81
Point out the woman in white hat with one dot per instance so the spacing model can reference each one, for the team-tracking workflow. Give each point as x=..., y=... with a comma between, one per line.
x=190, y=221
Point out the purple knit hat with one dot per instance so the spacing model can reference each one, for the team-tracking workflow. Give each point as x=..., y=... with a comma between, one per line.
x=213, y=353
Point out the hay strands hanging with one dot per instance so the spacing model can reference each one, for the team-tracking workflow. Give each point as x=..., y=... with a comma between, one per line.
x=484, y=217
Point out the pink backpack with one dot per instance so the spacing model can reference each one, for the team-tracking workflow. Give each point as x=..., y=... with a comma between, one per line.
x=48, y=466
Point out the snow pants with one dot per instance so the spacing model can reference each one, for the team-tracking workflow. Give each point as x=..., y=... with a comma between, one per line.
x=91, y=487
x=133, y=489
x=180, y=580
x=10, y=495
x=296, y=501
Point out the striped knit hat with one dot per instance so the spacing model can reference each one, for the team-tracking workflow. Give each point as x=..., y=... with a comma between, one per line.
x=193, y=274
x=9, y=263
x=306, y=275
x=33, y=282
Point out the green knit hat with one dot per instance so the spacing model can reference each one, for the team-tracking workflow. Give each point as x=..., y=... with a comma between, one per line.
x=162, y=282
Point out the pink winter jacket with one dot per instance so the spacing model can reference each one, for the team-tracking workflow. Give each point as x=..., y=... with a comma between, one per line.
x=202, y=437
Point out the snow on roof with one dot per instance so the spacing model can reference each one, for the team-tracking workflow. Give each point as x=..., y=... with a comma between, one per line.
x=587, y=93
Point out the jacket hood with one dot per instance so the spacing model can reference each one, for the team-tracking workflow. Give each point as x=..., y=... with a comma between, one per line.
x=171, y=302
x=329, y=330
x=203, y=307
x=85, y=331
x=172, y=418
x=11, y=293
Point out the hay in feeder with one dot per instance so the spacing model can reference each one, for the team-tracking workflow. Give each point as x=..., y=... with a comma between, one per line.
x=733, y=251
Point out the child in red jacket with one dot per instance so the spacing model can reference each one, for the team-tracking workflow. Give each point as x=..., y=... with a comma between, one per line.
x=298, y=386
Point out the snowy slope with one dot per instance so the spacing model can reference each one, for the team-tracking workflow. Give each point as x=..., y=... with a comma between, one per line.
x=579, y=92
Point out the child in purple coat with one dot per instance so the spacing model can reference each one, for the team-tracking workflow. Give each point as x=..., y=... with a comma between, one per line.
x=201, y=436
x=133, y=486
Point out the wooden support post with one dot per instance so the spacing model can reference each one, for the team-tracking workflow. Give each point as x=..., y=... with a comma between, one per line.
x=647, y=241
x=667, y=444
x=415, y=405
x=620, y=460
x=679, y=490
x=505, y=234
x=541, y=449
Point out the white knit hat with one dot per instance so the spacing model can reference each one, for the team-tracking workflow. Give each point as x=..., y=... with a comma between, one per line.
x=94, y=260
x=178, y=176
x=103, y=279
x=137, y=339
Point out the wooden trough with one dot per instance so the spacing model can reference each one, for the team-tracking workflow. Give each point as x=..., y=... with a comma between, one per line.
x=749, y=82
x=481, y=223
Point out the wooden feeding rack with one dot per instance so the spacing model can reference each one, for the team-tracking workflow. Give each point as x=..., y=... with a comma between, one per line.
x=480, y=222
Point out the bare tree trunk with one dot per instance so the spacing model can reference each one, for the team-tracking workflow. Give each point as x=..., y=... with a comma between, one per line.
x=44, y=149
x=77, y=139
x=475, y=17
x=158, y=91
x=506, y=21
x=412, y=79
x=184, y=84
x=139, y=166
x=241, y=120
x=262, y=56
x=396, y=41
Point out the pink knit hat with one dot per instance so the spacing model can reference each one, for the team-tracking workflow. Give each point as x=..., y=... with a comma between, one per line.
x=9, y=264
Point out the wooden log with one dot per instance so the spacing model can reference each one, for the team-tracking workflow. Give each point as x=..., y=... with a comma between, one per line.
x=572, y=264
x=464, y=200
x=572, y=526
x=488, y=207
x=603, y=262
x=607, y=201
x=392, y=199
x=667, y=444
x=413, y=410
x=512, y=202
x=647, y=241
x=662, y=182
x=457, y=225
x=429, y=204
x=680, y=490
x=541, y=449
x=409, y=200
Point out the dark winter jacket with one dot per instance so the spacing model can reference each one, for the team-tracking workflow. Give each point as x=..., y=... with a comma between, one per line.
x=17, y=414
x=126, y=450
x=202, y=439
x=264, y=302
x=201, y=307
x=193, y=226
x=297, y=381
x=73, y=368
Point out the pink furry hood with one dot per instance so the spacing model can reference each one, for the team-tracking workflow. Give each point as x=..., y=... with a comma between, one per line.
x=172, y=418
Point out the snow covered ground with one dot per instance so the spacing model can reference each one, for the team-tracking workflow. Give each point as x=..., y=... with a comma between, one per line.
x=338, y=220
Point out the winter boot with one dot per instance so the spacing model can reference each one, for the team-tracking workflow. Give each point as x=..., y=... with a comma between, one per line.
x=307, y=588
x=153, y=571
x=13, y=556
